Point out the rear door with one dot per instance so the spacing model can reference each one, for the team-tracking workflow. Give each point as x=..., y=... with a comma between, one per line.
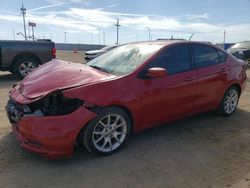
x=173, y=96
x=212, y=72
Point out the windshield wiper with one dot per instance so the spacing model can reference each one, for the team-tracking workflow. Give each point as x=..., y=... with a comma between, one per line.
x=100, y=68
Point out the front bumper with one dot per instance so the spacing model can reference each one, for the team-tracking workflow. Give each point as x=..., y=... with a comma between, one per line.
x=50, y=136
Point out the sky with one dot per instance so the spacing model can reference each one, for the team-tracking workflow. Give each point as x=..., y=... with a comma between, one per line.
x=93, y=21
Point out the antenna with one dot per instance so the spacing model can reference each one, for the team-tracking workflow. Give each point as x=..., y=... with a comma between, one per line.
x=191, y=37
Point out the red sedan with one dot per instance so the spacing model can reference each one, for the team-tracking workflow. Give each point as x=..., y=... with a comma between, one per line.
x=128, y=89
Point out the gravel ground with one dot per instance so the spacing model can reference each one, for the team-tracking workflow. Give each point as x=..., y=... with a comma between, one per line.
x=205, y=150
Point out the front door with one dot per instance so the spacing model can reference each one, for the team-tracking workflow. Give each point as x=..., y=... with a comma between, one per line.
x=170, y=97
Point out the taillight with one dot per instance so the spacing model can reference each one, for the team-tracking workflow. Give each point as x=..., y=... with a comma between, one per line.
x=53, y=52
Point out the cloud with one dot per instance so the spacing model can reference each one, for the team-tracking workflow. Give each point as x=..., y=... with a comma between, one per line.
x=46, y=7
x=113, y=5
x=75, y=20
x=143, y=22
x=63, y=1
x=11, y=17
x=204, y=16
x=2, y=34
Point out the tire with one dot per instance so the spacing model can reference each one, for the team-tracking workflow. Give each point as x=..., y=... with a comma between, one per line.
x=100, y=136
x=24, y=65
x=229, y=102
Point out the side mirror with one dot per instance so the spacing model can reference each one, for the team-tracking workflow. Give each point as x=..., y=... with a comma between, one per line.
x=157, y=72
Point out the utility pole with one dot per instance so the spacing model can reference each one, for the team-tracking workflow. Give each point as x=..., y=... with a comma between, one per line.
x=224, y=39
x=103, y=32
x=33, y=36
x=99, y=36
x=23, y=12
x=14, y=34
x=65, y=37
x=149, y=33
x=117, y=31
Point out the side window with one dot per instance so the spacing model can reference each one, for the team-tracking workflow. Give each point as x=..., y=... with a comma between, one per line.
x=222, y=56
x=205, y=56
x=175, y=59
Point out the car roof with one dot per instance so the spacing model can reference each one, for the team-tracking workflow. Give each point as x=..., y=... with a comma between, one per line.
x=160, y=42
x=166, y=42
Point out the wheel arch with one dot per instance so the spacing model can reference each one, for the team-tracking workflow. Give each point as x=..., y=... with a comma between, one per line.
x=82, y=129
x=128, y=112
x=25, y=55
x=234, y=84
x=237, y=85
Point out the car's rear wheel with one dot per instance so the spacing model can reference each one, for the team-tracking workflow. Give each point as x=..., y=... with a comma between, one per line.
x=23, y=66
x=229, y=102
x=108, y=132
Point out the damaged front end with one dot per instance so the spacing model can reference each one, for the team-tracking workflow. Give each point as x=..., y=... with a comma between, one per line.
x=49, y=125
x=52, y=105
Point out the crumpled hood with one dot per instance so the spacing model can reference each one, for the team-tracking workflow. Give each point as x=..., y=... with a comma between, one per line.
x=57, y=75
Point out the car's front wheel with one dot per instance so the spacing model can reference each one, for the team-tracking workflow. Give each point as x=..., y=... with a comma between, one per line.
x=229, y=102
x=108, y=132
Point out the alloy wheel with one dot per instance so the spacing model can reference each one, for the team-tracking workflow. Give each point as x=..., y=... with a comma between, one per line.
x=231, y=101
x=109, y=132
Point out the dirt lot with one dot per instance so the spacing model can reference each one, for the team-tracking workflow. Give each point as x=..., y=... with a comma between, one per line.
x=202, y=151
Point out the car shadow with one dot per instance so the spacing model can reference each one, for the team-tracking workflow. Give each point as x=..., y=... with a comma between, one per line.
x=203, y=123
